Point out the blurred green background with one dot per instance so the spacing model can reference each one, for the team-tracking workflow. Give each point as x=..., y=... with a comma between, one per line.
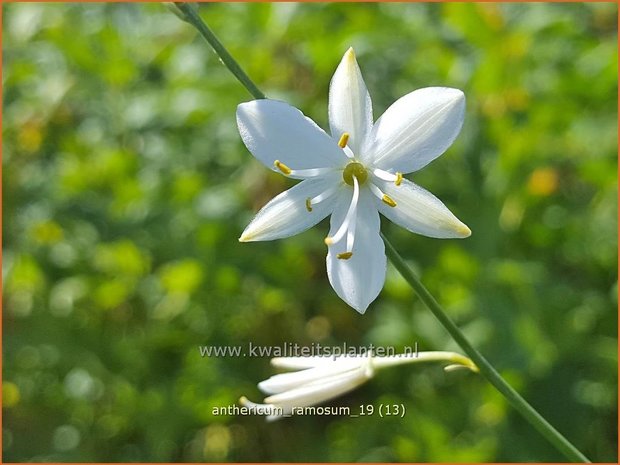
x=126, y=186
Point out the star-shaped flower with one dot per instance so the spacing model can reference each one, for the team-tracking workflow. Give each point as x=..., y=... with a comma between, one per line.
x=354, y=174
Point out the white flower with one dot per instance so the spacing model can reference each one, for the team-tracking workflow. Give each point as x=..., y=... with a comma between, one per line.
x=354, y=174
x=323, y=378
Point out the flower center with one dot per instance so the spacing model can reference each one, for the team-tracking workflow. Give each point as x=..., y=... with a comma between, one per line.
x=354, y=169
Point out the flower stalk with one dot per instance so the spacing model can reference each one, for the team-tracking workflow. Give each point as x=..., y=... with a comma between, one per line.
x=562, y=444
x=190, y=15
x=486, y=369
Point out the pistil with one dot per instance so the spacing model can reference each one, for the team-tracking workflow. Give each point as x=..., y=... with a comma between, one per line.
x=301, y=174
x=348, y=225
x=354, y=170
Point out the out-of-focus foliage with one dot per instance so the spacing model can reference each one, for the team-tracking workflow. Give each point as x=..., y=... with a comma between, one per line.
x=125, y=187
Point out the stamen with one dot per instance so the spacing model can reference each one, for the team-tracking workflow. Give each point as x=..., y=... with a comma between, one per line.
x=324, y=195
x=383, y=197
x=386, y=176
x=344, y=255
x=282, y=167
x=388, y=200
x=310, y=173
x=349, y=153
x=301, y=174
x=350, y=216
x=342, y=143
x=399, y=178
x=319, y=198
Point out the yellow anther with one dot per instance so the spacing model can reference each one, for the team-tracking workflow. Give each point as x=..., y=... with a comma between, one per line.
x=344, y=256
x=309, y=204
x=388, y=200
x=328, y=241
x=399, y=179
x=342, y=143
x=282, y=167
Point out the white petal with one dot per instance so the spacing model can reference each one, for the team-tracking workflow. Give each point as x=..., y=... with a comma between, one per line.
x=359, y=279
x=301, y=363
x=272, y=411
x=306, y=396
x=274, y=130
x=287, y=215
x=319, y=392
x=286, y=381
x=415, y=129
x=419, y=211
x=350, y=108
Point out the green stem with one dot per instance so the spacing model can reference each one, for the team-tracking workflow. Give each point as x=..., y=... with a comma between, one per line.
x=486, y=369
x=189, y=15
